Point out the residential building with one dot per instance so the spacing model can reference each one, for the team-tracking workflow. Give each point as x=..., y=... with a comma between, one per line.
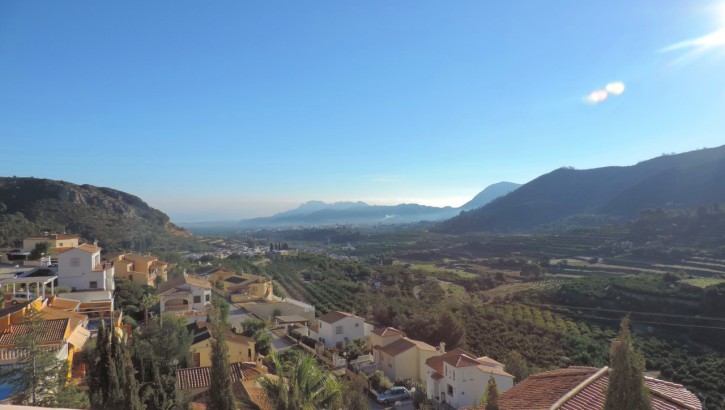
x=336, y=329
x=80, y=268
x=585, y=388
x=194, y=383
x=63, y=331
x=185, y=295
x=242, y=287
x=404, y=358
x=459, y=379
x=241, y=348
x=58, y=242
x=140, y=269
x=385, y=335
x=268, y=309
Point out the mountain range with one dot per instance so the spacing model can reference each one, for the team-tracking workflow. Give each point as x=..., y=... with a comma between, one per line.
x=360, y=213
x=579, y=197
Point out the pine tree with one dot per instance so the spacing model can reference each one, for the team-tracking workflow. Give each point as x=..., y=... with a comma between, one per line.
x=222, y=397
x=492, y=395
x=626, y=378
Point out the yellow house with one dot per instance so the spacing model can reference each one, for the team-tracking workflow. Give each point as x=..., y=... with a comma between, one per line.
x=140, y=269
x=241, y=348
x=62, y=330
x=402, y=357
x=58, y=242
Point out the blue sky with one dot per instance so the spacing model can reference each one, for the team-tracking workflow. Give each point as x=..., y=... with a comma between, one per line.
x=238, y=109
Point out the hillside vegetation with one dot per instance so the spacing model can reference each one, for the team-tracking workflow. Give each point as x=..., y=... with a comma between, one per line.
x=593, y=196
x=30, y=206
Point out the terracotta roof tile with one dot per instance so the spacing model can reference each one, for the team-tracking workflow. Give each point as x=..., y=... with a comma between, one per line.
x=52, y=331
x=388, y=331
x=200, y=377
x=335, y=316
x=403, y=344
x=541, y=391
x=587, y=389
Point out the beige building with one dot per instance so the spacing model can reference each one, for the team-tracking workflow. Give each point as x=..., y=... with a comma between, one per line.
x=404, y=358
x=241, y=348
x=242, y=287
x=140, y=269
x=58, y=242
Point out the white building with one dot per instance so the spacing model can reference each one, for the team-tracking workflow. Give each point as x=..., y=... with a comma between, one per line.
x=80, y=268
x=185, y=295
x=460, y=379
x=339, y=328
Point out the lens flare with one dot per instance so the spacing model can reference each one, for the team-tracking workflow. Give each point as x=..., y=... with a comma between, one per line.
x=615, y=88
x=595, y=97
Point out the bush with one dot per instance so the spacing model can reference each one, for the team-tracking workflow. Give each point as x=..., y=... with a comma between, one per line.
x=379, y=381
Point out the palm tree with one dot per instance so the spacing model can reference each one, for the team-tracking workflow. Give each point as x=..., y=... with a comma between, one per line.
x=301, y=385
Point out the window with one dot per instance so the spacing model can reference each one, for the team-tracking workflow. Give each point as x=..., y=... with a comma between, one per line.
x=207, y=297
x=338, y=330
x=93, y=285
x=75, y=262
x=197, y=299
x=450, y=390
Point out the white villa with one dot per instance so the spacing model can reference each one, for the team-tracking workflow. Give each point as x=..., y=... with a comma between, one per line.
x=339, y=328
x=80, y=268
x=459, y=379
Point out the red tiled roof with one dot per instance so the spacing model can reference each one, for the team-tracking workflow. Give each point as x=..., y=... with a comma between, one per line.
x=335, y=316
x=388, y=331
x=200, y=377
x=586, y=389
x=52, y=331
x=403, y=344
x=541, y=391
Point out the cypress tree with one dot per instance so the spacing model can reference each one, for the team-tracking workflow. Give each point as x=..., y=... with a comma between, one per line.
x=492, y=394
x=222, y=397
x=626, y=378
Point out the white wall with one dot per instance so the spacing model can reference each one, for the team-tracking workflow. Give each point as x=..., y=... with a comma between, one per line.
x=81, y=276
x=469, y=385
x=352, y=328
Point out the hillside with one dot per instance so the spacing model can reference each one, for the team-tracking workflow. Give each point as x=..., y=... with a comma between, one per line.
x=29, y=206
x=490, y=193
x=610, y=193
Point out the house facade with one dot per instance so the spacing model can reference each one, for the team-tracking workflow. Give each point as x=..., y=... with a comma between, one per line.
x=80, y=268
x=241, y=348
x=140, y=269
x=242, y=287
x=185, y=295
x=336, y=329
x=58, y=242
x=459, y=379
x=404, y=358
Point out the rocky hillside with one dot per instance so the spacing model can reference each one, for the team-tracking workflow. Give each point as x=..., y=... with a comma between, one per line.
x=119, y=221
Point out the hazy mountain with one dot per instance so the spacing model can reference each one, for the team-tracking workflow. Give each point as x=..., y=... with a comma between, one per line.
x=490, y=193
x=320, y=213
x=314, y=206
x=29, y=206
x=669, y=181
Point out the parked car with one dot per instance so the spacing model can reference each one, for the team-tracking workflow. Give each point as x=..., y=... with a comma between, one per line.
x=397, y=393
x=19, y=297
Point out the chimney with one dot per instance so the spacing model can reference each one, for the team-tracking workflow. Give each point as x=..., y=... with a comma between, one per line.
x=442, y=347
x=95, y=243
